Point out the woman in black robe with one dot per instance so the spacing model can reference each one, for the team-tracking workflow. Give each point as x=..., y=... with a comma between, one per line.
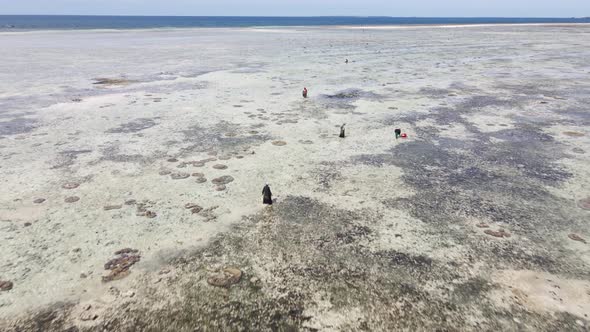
x=266, y=195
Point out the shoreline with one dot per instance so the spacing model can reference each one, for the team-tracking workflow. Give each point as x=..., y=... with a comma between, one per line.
x=446, y=26
x=313, y=27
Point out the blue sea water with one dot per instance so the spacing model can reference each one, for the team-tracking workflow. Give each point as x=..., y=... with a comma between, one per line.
x=40, y=22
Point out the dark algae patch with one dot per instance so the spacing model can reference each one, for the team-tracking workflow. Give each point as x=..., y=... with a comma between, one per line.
x=134, y=126
x=17, y=125
x=271, y=271
x=502, y=177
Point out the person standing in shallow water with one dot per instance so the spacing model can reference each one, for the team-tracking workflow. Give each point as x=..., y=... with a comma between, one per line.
x=266, y=195
x=304, y=93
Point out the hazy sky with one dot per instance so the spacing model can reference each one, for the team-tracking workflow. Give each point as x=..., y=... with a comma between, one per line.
x=432, y=8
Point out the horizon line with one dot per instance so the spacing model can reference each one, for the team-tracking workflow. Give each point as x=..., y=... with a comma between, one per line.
x=297, y=16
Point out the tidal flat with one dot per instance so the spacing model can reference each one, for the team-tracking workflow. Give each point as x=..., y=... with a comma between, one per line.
x=132, y=164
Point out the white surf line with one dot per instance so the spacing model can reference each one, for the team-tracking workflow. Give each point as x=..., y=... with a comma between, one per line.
x=452, y=26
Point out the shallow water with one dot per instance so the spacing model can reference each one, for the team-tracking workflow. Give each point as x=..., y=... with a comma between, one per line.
x=361, y=226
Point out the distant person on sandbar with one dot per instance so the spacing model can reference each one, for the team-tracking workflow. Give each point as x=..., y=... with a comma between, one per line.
x=304, y=92
x=266, y=195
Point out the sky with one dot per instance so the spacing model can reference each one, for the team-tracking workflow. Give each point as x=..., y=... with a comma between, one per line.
x=405, y=8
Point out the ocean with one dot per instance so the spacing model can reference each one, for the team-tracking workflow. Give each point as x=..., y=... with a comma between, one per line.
x=41, y=22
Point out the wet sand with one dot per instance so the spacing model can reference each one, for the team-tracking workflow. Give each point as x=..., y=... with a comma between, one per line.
x=132, y=164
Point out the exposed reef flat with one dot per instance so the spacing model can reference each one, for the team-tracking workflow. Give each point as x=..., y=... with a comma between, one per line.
x=132, y=177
